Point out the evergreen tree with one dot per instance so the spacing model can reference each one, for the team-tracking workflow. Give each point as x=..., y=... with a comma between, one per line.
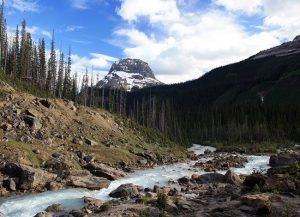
x=51, y=77
x=67, y=86
x=42, y=68
x=59, y=85
x=23, y=64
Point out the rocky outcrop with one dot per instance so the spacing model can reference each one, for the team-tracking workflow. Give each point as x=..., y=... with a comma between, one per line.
x=129, y=74
x=102, y=170
x=288, y=48
x=28, y=178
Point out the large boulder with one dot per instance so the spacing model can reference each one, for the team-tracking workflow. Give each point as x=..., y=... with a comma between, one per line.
x=260, y=202
x=43, y=214
x=255, y=179
x=125, y=191
x=232, y=178
x=184, y=181
x=88, y=181
x=211, y=178
x=102, y=170
x=33, y=122
x=284, y=159
x=28, y=178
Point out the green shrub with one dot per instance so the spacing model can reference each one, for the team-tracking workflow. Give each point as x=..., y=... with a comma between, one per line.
x=106, y=206
x=161, y=201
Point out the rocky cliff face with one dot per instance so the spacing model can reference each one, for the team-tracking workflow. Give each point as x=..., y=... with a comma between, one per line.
x=288, y=48
x=129, y=74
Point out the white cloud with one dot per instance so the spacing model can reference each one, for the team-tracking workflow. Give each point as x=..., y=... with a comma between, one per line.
x=282, y=17
x=155, y=10
x=98, y=63
x=246, y=6
x=34, y=30
x=185, y=44
x=73, y=28
x=85, y=4
x=80, y=4
x=193, y=43
x=23, y=5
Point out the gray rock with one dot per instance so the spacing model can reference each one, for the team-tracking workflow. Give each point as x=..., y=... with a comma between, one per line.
x=90, y=142
x=125, y=191
x=33, y=122
x=55, y=208
x=88, y=181
x=211, y=178
x=29, y=178
x=232, y=178
x=284, y=159
x=10, y=184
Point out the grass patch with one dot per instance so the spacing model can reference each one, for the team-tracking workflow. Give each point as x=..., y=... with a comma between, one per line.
x=23, y=86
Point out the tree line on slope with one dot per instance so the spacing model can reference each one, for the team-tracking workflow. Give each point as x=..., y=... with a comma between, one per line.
x=23, y=60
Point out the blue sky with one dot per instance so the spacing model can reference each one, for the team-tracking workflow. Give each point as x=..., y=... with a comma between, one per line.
x=180, y=39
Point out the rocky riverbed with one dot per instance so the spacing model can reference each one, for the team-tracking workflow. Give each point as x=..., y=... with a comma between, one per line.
x=171, y=190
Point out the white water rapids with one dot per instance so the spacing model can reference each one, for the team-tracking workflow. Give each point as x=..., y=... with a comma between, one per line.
x=29, y=205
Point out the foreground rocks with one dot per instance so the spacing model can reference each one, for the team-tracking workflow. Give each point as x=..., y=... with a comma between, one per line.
x=26, y=178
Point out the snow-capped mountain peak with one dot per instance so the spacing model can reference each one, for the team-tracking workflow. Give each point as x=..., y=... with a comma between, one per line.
x=129, y=74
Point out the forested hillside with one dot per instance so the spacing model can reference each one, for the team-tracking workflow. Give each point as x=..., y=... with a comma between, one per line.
x=255, y=100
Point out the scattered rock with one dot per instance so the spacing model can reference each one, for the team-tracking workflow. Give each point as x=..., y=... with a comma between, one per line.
x=90, y=142
x=46, y=103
